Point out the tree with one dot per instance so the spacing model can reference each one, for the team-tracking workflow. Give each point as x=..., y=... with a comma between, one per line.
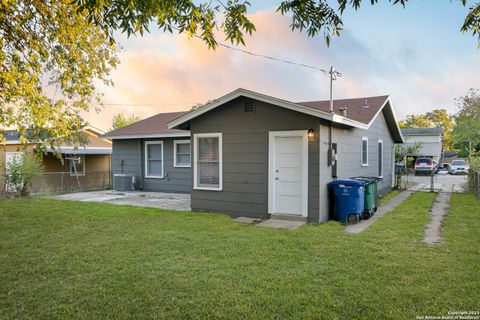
x=467, y=121
x=438, y=118
x=119, y=120
x=202, y=19
x=50, y=56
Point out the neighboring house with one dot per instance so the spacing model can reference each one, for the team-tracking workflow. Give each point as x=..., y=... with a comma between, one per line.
x=256, y=155
x=90, y=163
x=430, y=139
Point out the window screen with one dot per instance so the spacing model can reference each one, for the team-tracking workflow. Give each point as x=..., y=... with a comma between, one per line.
x=154, y=157
x=182, y=154
x=364, y=151
x=208, y=172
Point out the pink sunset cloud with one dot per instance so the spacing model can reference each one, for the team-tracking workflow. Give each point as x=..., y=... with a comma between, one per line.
x=162, y=73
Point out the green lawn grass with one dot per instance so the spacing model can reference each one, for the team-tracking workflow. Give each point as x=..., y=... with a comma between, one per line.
x=76, y=260
x=387, y=197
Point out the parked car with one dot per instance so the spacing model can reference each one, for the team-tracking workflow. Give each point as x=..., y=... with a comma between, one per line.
x=443, y=168
x=424, y=166
x=459, y=167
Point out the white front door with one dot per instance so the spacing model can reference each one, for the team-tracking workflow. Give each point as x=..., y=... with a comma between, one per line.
x=288, y=172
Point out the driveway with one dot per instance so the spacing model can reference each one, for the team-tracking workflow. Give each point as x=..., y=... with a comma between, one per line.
x=168, y=201
x=442, y=182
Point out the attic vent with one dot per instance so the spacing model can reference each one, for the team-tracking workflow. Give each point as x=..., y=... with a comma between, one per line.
x=248, y=107
x=365, y=106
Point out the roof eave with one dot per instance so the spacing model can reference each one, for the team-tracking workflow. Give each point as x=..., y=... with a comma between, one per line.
x=146, y=136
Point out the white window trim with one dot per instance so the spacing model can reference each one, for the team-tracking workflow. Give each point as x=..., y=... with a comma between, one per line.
x=175, y=164
x=147, y=143
x=73, y=174
x=380, y=142
x=364, y=164
x=220, y=160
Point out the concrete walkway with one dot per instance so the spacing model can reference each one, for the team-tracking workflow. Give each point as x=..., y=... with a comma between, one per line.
x=433, y=230
x=382, y=210
x=161, y=200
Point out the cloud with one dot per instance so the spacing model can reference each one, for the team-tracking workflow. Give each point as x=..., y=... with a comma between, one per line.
x=162, y=72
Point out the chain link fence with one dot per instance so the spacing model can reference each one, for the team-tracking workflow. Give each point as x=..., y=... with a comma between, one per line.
x=61, y=182
x=474, y=182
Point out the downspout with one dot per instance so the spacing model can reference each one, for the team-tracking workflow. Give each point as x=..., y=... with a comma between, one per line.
x=140, y=174
x=330, y=150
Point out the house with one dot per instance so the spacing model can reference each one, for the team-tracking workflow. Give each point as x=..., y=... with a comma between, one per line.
x=256, y=155
x=66, y=166
x=159, y=156
x=430, y=139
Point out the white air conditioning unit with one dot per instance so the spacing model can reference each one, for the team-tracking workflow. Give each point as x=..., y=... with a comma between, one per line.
x=125, y=182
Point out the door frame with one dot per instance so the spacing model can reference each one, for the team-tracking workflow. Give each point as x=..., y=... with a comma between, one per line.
x=271, y=171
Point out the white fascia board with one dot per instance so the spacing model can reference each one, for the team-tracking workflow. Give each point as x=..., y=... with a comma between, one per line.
x=148, y=136
x=388, y=102
x=252, y=95
x=349, y=122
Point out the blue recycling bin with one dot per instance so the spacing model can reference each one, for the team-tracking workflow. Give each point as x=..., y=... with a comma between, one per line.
x=348, y=200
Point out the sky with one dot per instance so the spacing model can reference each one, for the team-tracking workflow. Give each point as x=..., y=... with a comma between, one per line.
x=415, y=54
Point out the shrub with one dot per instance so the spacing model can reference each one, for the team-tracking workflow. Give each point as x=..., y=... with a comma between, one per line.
x=21, y=172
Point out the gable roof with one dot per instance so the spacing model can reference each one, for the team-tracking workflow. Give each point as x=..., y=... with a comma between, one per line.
x=422, y=131
x=362, y=110
x=153, y=127
x=357, y=115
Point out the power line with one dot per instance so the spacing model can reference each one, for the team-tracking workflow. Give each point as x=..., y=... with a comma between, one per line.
x=325, y=72
x=303, y=65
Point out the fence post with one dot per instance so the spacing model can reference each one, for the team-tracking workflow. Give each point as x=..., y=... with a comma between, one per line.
x=477, y=185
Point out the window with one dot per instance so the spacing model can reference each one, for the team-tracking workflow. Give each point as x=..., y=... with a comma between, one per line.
x=76, y=164
x=154, y=159
x=207, y=168
x=364, y=151
x=380, y=158
x=181, y=150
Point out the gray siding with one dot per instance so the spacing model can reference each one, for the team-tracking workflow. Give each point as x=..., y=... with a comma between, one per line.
x=245, y=157
x=129, y=152
x=349, y=142
x=132, y=151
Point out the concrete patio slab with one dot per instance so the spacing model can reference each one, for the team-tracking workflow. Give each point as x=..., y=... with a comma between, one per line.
x=382, y=210
x=283, y=224
x=247, y=220
x=160, y=200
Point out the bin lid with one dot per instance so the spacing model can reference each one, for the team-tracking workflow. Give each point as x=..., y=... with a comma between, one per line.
x=372, y=179
x=349, y=182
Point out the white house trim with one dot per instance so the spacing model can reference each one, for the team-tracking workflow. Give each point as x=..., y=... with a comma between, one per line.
x=147, y=143
x=175, y=164
x=380, y=156
x=141, y=136
x=220, y=161
x=364, y=164
x=271, y=160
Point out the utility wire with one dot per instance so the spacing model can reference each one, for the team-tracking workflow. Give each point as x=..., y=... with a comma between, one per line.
x=325, y=72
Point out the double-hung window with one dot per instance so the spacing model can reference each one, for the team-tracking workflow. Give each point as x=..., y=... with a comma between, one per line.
x=181, y=151
x=154, y=159
x=380, y=158
x=364, y=151
x=207, y=168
